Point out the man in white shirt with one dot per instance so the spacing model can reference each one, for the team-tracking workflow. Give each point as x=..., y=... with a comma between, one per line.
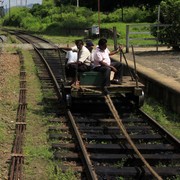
x=90, y=47
x=83, y=62
x=102, y=63
x=71, y=58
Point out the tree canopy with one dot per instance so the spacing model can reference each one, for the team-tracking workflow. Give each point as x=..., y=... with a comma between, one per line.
x=109, y=5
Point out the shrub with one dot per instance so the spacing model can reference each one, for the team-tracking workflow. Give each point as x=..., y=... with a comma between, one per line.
x=71, y=20
x=131, y=14
x=53, y=28
x=170, y=15
x=134, y=14
x=31, y=23
x=16, y=16
x=103, y=17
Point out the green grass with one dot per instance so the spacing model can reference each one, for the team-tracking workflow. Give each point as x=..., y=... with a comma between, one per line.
x=169, y=120
x=39, y=163
x=36, y=146
x=121, y=30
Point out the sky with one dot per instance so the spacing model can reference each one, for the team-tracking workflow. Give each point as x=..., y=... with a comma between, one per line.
x=5, y=3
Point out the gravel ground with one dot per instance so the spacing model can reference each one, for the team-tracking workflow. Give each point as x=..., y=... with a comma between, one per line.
x=9, y=76
x=166, y=62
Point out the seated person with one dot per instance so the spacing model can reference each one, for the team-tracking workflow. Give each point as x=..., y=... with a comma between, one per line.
x=71, y=58
x=102, y=63
x=83, y=62
x=90, y=47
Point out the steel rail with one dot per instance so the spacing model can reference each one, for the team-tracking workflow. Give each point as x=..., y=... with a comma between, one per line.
x=17, y=157
x=121, y=126
x=58, y=89
x=90, y=170
x=168, y=135
x=84, y=151
x=87, y=162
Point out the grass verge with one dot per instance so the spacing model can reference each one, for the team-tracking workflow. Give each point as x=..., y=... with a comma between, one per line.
x=39, y=163
x=169, y=120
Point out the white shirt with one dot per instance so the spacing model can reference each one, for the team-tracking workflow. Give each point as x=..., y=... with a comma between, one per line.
x=84, y=55
x=92, y=56
x=100, y=55
x=71, y=56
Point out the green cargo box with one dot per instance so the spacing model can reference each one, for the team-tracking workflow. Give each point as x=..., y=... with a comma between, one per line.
x=91, y=78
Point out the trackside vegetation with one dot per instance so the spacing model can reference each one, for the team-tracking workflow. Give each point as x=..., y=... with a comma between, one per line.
x=169, y=120
x=50, y=19
x=46, y=18
x=39, y=163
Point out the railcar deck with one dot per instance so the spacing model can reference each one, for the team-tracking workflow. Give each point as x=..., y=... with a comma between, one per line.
x=128, y=86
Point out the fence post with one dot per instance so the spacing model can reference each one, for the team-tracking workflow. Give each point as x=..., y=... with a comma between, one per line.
x=115, y=37
x=157, y=41
x=127, y=38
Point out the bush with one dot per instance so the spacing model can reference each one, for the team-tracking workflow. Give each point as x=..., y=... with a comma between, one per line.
x=16, y=17
x=103, y=18
x=70, y=20
x=70, y=17
x=134, y=14
x=53, y=28
x=170, y=15
x=131, y=14
x=31, y=23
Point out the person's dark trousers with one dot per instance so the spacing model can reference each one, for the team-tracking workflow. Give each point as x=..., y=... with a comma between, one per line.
x=119, y=66
x=106, y=72
x=83, y=68
x=72, y=68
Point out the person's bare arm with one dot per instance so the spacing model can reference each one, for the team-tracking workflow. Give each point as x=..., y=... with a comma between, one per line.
x=105, y=64
x=116, y=51
x=66, y=48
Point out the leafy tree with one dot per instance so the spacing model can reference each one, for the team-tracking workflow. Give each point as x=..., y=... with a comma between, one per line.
x=41, y=11
x=17, y=14
x=31, y=23
x=109, y=5
x=170, y=15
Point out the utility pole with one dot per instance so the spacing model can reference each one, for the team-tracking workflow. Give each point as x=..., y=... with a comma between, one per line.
x=99, y=19
x=9, y=9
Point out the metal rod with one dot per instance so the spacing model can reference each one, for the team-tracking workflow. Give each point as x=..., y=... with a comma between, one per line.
x=135, y=71
x=99, y=19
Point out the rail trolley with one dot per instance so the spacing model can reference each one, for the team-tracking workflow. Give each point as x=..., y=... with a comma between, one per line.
x=90, y=86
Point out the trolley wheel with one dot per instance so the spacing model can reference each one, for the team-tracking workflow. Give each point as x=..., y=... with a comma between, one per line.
x=137, y=100
x=140, y=100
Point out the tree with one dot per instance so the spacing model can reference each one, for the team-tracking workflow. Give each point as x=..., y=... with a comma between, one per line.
x=111, y=5
x=170, y=15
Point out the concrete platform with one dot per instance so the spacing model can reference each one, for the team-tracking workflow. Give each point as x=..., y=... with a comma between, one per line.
x=163, y=88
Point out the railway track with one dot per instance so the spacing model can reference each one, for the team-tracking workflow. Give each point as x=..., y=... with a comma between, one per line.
x=90, y=137
x=17, y=157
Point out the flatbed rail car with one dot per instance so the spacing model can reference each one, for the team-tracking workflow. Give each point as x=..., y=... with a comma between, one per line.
x=90, y=86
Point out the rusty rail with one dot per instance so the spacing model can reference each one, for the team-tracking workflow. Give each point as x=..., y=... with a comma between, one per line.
x=17, y=157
